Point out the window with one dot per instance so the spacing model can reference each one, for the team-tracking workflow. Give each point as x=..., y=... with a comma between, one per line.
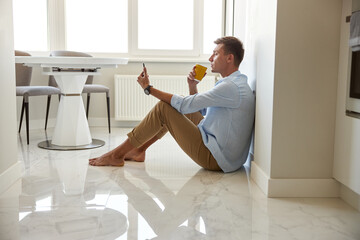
x=173, y=27
x=30, y=25
x=164, y=25
x=97, y=25
x=124, y=27
x=213, y=22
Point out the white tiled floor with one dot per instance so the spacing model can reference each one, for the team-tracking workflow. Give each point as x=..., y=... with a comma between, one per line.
x=167, y=197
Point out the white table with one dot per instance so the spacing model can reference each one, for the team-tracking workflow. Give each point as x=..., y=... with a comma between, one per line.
x=71, y=128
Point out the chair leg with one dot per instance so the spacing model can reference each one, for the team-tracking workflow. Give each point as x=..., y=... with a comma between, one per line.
x=22, y=114
x=27, y=121
x=87, y=105
x=47, y=110
x=108, y=111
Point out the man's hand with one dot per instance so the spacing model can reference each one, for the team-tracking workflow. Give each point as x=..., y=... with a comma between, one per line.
x=192, y=82
x=143, y=79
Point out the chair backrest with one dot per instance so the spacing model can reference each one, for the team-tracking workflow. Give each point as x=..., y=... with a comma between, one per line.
x=52, y=81
x=23, y=73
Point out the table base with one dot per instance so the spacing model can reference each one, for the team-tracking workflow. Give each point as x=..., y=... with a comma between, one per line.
x=48, y=145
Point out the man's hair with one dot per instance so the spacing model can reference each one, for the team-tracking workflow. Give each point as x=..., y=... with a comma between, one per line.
x=233, y=46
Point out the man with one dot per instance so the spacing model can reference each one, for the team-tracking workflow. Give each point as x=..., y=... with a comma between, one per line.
x=221, y=140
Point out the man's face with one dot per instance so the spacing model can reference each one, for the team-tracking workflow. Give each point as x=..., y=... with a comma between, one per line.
x=218, y=59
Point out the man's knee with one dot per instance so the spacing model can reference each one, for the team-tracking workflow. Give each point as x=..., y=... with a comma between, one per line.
x=164, y=110
x=163, y=106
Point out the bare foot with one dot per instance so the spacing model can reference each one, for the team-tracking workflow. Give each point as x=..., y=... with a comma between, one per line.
x=135, y=155
x=107, y=160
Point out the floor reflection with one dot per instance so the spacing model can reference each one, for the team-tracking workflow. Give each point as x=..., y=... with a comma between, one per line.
x=66, y=198
x=72, y=223
x=206, y=206
x=57, y=201
x=73, y=175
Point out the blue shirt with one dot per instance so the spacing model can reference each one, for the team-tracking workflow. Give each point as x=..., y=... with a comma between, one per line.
x=227, y=128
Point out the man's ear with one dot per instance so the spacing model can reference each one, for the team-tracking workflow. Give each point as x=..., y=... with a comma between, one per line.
x=230, y=58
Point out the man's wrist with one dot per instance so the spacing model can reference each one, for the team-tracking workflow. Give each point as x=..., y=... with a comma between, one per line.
x=193, y=90
x=147, y=89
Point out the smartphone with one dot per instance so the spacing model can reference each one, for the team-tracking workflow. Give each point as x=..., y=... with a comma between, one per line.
x=143, y=70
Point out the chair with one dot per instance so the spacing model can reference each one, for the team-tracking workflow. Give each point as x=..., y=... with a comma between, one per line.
x=23, y=88
x=88, y=88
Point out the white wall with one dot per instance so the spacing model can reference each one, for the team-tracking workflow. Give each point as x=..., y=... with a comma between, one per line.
x=296, y=97
x=307, y=43
x=9, y=169
x=347, y=138
x=262, y=37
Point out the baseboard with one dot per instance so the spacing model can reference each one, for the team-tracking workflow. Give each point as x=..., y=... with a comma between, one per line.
x=350, y=197
x=304, y=188
x=259, y=177
x=10, y=176
x=294, y=187
x=37, y=124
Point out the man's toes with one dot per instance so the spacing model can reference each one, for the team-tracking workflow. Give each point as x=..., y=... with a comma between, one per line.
x=93, y=161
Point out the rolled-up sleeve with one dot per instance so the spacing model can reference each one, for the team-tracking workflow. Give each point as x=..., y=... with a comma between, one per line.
x=222, y=95
x=176, y=101
x=185, y=105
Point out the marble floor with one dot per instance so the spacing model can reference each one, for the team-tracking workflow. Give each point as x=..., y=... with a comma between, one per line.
x=168, y=197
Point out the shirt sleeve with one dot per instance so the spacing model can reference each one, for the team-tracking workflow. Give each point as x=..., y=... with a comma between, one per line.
x=225, y=94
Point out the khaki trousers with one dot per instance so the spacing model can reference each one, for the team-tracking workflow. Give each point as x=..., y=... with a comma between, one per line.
x=163, y=118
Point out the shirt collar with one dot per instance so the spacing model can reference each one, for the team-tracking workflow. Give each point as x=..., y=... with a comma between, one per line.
x=233, y=75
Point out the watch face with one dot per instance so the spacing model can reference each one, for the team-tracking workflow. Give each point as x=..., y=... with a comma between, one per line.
x=147, y=90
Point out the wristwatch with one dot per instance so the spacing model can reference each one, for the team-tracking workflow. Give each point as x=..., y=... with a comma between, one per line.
x=147, y=90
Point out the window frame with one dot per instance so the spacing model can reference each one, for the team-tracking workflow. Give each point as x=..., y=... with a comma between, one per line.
x=47, y=40
x=56, y=18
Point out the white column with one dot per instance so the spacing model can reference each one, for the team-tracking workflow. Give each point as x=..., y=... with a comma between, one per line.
x=71, y=127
